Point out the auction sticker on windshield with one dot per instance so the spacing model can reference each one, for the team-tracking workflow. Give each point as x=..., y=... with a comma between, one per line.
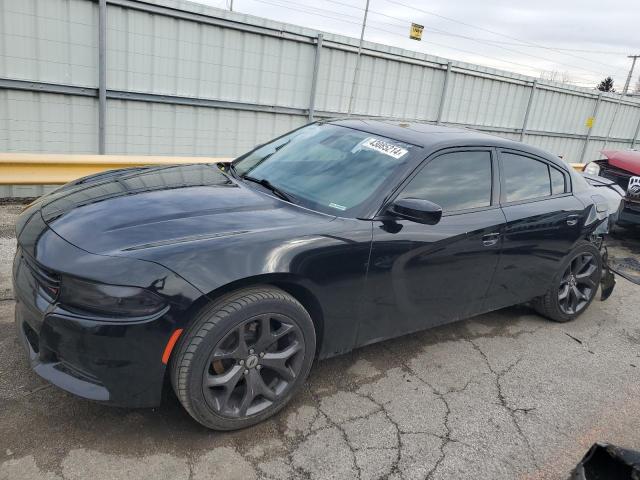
x=384, y=147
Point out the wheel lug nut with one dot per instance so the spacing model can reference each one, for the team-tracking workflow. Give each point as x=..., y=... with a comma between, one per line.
x=241, y=362
x=261, y=354
x=251, y=351
x=246, y=371
x=259, y=367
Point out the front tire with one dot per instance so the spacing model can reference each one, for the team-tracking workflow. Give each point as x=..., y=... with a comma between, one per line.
x=574, y=287
x=243, y=358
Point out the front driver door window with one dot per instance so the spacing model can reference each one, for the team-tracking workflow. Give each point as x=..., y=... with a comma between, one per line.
x=455, y=181
x=425, y=275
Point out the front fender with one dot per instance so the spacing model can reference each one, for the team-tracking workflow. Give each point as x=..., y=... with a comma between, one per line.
x=332, y=265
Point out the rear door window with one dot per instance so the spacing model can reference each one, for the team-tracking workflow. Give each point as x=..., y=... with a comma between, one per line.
x=558, y=181
x=524, y=178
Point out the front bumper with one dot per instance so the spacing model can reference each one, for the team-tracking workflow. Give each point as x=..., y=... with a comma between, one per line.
x=117, y=364
x=113, y=360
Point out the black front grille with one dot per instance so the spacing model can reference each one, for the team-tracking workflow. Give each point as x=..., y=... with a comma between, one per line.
x=48, y=280
x=619, y=176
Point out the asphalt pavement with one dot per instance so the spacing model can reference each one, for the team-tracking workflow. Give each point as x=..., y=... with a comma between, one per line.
x=507, y=395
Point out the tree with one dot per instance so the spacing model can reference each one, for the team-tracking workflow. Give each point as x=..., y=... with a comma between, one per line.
x=606, y=85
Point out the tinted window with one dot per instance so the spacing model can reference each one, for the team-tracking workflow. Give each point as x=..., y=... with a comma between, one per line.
x=326, y=167
x=455, y=181
x=524, y=177
x=557, y=181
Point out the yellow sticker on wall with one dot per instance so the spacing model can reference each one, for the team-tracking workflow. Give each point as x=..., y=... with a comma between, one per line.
x=589, y=122
x=415, y=33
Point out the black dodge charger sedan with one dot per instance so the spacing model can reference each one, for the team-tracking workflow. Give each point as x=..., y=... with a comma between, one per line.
x=226, y=281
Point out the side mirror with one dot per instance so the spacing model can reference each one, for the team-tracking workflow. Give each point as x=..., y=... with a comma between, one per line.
x=417, y=210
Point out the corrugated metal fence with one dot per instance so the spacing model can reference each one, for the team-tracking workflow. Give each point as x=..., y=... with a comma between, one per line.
x=166, y=77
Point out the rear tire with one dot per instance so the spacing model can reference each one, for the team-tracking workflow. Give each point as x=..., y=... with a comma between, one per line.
x=574, y=287
x=243, y=358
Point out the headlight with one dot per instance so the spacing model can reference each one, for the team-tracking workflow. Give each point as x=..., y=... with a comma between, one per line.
x=112, y=300
x=592, y=168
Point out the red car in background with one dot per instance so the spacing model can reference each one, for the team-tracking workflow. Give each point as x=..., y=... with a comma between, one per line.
x=623, y=168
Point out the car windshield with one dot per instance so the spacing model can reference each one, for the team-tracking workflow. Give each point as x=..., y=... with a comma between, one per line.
x=327, y=167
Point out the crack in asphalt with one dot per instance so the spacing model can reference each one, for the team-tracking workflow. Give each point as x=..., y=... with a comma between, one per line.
x=446, y=439
x=293, y=444
x=499, y=332
x=351, y=387
x=395, y=466
x=503, y=401
x=342, y=432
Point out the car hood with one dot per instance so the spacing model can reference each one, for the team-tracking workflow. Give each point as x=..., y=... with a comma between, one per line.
x=628, y=160
x=134, y=209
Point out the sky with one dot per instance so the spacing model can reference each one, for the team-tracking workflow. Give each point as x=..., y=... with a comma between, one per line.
x=581, y=42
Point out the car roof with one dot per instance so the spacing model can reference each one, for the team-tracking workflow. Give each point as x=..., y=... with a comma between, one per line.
x=435, y=137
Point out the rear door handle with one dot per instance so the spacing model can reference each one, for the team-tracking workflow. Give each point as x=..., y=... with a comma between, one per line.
x=572, y=220
x=490, y=239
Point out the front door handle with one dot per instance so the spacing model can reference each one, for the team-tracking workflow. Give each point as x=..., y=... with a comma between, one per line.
x=490, y=239
x=572, y=220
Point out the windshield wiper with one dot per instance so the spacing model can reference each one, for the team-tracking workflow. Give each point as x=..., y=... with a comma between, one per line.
x=269, y=155
x=228, y=167
x=269, y=186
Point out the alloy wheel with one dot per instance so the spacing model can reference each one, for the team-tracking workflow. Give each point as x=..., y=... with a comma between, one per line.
x=253, y=366
x=578, y=284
